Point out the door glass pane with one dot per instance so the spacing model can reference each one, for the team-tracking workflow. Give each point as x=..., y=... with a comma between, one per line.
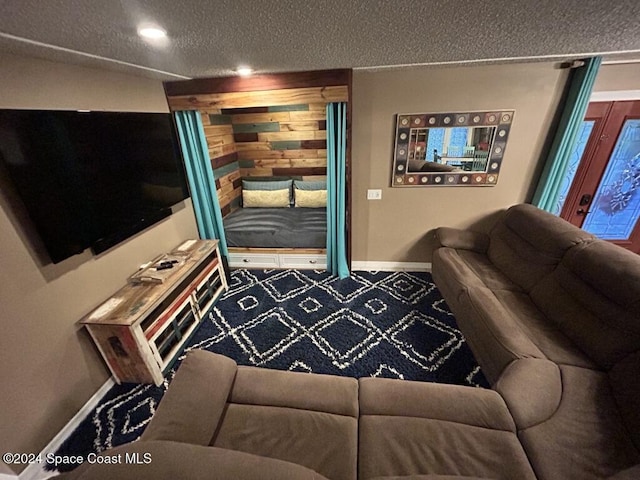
x=616, y=206
x=574, y=161
x=435, y=142
x=457, y=142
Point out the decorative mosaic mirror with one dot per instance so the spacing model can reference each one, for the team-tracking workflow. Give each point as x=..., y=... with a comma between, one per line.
x=450, y=149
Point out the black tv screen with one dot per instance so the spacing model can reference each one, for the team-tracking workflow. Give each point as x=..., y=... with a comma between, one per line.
x=91, y=179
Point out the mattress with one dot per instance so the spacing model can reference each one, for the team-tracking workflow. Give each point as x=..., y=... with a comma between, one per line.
x=277, y=228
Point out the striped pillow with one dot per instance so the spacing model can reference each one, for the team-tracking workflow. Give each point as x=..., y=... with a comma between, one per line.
x=310, y=184
x=266, y=184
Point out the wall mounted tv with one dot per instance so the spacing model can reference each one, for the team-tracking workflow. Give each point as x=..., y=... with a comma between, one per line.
x=91, y=179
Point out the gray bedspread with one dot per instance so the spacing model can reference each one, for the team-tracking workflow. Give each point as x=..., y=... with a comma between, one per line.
x=277, y=228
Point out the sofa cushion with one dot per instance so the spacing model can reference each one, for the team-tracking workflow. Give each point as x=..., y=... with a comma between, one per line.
x=172, y=460
x=307, y=419
x=527, y=243
x=545, y=334
x=324, y=442
x=586, y=297
x=460, y=273
x=491, y=331
x=473, y=406
x=586, y=437
x=414, y=428
x=466, y=268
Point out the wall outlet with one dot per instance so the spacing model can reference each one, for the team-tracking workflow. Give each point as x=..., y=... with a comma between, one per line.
x=374, y=194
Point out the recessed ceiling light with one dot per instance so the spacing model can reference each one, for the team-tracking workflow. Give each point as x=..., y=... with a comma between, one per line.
x=152, y=32
x=244, y=71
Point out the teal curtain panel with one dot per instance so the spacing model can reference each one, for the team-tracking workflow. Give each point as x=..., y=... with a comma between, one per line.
x=337, y=189
x=200, y=176
x=549, y=187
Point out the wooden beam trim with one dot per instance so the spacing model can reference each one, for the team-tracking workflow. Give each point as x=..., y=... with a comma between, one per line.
x=318, y=78
x=290, y=96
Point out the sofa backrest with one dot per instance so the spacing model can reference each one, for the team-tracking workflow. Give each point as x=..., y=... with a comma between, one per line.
x=527, y=243
x=594, y=298
x=624, y=378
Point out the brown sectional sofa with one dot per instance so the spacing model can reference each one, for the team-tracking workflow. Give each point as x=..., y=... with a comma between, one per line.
x=553, y=317
x=220, y=420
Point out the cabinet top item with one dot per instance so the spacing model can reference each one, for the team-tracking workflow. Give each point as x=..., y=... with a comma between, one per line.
x=134, y=301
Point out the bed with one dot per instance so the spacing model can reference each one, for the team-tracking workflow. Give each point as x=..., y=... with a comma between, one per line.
x=277, y=228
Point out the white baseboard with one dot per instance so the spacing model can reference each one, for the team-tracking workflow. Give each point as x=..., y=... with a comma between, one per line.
x=391, y=266
x=36, y=471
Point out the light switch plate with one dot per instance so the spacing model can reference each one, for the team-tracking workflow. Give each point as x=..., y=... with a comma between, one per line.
x=374, y=194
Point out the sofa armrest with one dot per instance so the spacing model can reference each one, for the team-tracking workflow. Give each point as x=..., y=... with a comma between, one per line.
x=463, y=239
x=532, y=389
x=192, y=407
x=454, y=403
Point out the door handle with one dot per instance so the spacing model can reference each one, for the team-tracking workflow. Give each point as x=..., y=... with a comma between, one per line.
x=582, y=211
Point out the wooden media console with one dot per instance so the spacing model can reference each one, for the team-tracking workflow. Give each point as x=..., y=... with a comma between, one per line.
x=141, y=330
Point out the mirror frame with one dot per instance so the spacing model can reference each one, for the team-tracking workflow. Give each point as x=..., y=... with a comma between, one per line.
x=405, y=122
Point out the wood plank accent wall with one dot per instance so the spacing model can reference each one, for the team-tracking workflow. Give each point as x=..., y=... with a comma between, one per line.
x=218, y=131
x=265, y=125
x=286, y=140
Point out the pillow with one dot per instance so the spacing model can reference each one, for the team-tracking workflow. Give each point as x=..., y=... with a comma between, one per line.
x=310, y=184
x=266, y=184
x=269, y=184
x=311, y=198
x=265, y=198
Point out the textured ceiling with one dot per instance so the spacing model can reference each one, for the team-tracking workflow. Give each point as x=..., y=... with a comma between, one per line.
x=212, y=37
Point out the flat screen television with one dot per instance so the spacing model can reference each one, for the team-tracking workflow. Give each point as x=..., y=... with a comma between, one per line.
x=91, y=179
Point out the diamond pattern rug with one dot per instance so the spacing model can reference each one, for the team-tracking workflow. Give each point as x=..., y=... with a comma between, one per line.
x=380, y=324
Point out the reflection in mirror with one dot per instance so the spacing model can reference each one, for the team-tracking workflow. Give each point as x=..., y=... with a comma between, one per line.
x=450, y=149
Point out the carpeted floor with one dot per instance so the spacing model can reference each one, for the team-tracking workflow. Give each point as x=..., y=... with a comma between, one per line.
x=381, y=324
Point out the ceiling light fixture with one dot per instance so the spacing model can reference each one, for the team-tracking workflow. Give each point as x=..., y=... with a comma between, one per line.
x=244, y=71
x=152, y=32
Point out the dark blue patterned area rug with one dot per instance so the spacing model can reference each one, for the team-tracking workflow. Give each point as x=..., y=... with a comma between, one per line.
x=378, y=324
